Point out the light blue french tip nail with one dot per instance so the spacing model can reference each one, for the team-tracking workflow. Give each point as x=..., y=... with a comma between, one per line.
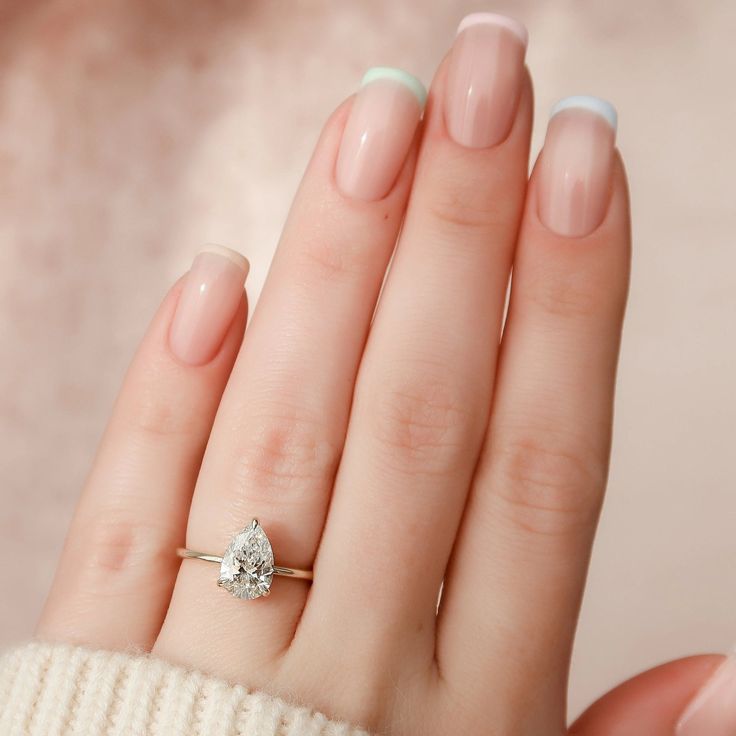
x=584, y=102
x=397, y=75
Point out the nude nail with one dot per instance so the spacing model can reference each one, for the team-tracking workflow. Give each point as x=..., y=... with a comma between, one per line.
x=576, y=165
x=484, y=79
x=378, y=133
x=712, y=712
x=207, y=304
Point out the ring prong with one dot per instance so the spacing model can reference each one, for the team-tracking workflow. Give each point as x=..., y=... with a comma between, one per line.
x=254, y=523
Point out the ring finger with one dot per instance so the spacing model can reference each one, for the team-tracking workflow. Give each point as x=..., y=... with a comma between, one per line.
x=424, y=391
x=279, y=432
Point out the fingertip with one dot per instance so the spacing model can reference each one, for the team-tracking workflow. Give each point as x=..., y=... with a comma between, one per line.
x=363, y=166
x=208, y=301
x=650, y=703
x=612, y=231
x=378, y=134
x=436, y=120
x=575, y=170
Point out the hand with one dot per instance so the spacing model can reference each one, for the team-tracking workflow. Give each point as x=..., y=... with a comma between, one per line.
x=399, y=454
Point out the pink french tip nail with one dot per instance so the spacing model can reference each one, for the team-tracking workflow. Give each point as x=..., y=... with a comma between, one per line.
x=207, y=304
x=712, y=712
x=576, y=166
x=378, y=133
x=484, y=79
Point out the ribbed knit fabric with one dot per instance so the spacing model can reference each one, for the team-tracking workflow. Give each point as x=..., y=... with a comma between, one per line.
x=61, y=690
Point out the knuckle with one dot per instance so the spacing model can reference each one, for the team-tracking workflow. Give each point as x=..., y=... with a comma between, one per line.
x=116, y=545
x=468, y=199
x=119, y=552
x=547, y=487
x=285, y=453
x=422, y=425
x=155, y=417
x=568, y=295
x=327, y=257
x=460, y=211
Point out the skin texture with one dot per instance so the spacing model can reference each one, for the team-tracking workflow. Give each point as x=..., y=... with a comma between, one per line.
x=395, y=441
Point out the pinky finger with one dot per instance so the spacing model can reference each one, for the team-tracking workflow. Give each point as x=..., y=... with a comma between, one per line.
x=117, y=570
x=532, y=513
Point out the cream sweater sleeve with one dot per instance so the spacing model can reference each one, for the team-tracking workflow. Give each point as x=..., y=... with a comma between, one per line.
x=61, y=690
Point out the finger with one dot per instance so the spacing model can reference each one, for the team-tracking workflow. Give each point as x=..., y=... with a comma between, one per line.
x=423, y=396
x=514, y=585
x=651, y=703
x=117, y=570
x=280, y=429
x=713, y=709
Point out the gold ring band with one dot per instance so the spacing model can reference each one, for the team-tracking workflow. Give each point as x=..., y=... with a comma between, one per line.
x=247, y=567
x=287, y=572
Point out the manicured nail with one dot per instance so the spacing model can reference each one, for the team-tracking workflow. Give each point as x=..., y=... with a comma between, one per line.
x=207, y=304
x=576, y=165
x=484, y=79
x=712, y=712
x=378, y=133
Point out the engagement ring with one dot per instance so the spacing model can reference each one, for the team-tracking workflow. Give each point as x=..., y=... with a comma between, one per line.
x=247, y=567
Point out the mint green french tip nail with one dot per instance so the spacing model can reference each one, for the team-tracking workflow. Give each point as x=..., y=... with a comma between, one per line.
x=397, y=75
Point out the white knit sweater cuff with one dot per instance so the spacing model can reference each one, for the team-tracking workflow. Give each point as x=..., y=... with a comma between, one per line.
x=61, y=690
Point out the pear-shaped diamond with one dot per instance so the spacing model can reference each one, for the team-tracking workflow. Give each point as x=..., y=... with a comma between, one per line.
x=247, y=565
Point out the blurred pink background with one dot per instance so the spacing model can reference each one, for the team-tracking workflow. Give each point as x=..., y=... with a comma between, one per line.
x=132, y=132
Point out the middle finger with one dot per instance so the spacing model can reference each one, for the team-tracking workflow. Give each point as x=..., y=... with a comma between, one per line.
x=423, y=395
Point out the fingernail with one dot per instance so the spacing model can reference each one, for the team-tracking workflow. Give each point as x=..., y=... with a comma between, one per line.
x=712, y=711
x=378, y=133
x=207, y=304
x=576, y=165
x=484, y=79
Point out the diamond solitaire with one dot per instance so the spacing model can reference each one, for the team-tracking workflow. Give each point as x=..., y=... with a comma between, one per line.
x=247, y=567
